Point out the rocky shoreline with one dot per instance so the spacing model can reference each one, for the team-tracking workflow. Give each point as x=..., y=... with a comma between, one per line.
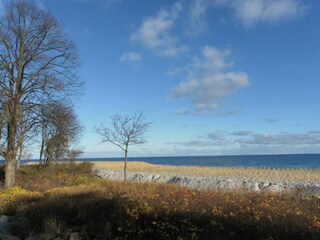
x=209, y=182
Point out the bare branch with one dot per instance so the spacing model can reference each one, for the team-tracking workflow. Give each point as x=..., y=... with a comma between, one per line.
x=38, y=67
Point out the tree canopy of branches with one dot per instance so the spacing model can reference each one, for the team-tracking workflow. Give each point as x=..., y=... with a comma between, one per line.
x=60, y=128
x=124, y=131
x=38, y=66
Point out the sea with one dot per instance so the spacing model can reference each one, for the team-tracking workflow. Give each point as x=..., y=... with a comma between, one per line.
x=307, y=161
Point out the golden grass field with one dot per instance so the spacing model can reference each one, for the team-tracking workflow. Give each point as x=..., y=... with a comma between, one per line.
x=261, y=174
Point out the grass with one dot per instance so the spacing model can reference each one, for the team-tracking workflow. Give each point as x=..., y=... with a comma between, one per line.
x=33, y=178
x=259, y=174
x=72, y=201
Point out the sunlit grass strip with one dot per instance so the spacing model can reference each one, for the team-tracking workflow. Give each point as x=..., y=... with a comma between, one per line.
x=259, y=174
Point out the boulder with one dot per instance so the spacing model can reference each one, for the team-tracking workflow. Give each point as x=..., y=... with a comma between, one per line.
x=8, y=237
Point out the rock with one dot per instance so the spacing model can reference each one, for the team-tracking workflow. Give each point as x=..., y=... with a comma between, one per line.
x=3, y=224
x=19, y=226
x=4, y=219
x=275, y=188
x=8, y=237
x=207, y=182
x=74, y=236
x=3, y=228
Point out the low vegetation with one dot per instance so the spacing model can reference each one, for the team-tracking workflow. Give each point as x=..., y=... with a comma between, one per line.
x=259, y=174
x=64, y=199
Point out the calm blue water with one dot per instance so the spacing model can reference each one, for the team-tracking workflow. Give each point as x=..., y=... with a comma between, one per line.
x=271, y=161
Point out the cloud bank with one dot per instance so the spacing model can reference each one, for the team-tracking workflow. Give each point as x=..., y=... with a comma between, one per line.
x=249, y=142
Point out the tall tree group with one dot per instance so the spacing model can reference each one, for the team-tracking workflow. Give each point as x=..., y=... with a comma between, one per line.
x=38, y=81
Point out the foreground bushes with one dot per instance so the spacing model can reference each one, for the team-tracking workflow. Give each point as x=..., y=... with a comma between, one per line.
x=99, y=209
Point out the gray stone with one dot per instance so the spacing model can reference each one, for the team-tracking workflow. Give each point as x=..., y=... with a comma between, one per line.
x=8, y=237
x=3, y=224
x=19, y=226
x=4, y=219
x=206, y=182
x=74, y=236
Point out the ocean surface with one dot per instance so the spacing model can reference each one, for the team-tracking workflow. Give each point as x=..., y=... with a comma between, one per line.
x=260, y=161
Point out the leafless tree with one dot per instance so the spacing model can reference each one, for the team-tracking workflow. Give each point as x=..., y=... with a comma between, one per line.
x=38, y=65
x=124, y=131
x=27, y=132
x=60, y=130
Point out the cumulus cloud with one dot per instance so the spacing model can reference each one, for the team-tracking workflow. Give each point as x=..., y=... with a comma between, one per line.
x=209, y=82
x=252, y=12
x=177, y=70
x=218, y=138
x=130, y=57
x=183, y=111
x=155, y=32
x=197, y=17
x=241, y=133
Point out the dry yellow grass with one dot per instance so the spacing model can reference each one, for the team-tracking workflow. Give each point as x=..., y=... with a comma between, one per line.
x=263, y=174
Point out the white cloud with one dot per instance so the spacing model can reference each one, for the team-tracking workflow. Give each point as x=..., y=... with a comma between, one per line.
x=177, y=70
x=309, y=138
x=197, y=17
x=209, y=83
x=183, y=111
x=252, y=12
x=130, y=57
x=155, y=32
x=213, y=59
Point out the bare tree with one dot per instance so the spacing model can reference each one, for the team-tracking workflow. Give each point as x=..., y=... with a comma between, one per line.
x=124, y=131
x=60, y=131
x=37, y=66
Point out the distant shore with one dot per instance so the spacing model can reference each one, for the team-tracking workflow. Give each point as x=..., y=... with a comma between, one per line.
x=256, y=179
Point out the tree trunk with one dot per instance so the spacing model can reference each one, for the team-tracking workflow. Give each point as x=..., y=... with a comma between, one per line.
x=20, y=149
x=41, y=152
x=19, y=157
x=125, y=163
x=10, y=168
x=11, y=153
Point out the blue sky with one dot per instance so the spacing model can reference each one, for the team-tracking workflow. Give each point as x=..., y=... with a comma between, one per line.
x=214, y=76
